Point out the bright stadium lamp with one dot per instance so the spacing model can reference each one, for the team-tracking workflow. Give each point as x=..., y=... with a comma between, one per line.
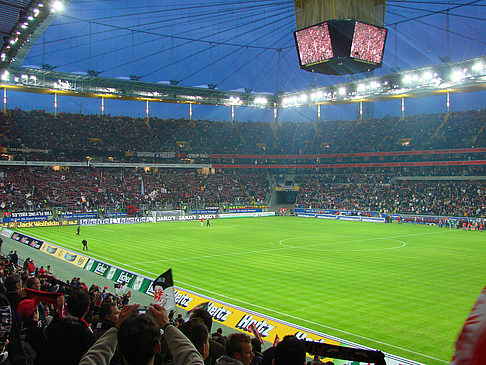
x=478, y=66
x=57, y=5
x=261, y=100
x=457, y=75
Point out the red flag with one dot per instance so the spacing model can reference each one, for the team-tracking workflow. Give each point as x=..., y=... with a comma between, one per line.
x=471, y=344
x=253, y=329
x=276, y=341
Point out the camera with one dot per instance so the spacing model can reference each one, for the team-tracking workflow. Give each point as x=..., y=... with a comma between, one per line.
x=143, y=309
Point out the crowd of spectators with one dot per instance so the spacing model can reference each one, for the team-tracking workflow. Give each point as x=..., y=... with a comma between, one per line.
x=33, y=188
x=23, y=189
x=69, y=136
x=45, y=320
x=368, y=192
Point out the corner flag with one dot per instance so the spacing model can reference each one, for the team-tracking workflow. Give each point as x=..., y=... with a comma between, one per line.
x=164, y=290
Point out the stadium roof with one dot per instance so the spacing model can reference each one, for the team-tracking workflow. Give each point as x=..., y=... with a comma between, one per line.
x=9, y=14
x=239, y=45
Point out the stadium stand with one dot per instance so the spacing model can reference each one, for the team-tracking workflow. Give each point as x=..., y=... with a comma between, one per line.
x=101, y=137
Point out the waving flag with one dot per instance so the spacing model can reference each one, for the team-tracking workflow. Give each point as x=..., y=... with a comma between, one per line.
x=471, y=344
x=164, y=290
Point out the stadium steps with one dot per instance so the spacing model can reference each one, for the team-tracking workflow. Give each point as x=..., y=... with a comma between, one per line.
x=242, y=138
x=481, y=130
x=274, y=130
x=439, y=127
x=316, y=134
x=391, y=132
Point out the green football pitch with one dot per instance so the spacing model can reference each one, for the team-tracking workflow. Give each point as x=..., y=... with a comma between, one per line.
x=404, y=289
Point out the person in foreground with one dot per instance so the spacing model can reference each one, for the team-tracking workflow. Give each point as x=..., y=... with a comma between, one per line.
x=238, y=350
x=138, y=339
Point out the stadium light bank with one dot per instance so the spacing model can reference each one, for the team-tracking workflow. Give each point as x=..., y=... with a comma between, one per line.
x=461, y=76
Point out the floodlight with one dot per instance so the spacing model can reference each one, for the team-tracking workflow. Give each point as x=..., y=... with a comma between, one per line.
x=407, y=79
x=5, y=75
x=261, y=100
x=427, y=76
x=478, y=66
x=342, y=91
x=57, y=5
x=303, y=98
x=374, y=85
x=457, y=75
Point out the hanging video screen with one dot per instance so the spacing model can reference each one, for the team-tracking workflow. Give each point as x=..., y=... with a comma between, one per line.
x=314, y=44
x=368, y=42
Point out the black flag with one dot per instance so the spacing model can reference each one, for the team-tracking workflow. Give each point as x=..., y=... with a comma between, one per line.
x=164, y=290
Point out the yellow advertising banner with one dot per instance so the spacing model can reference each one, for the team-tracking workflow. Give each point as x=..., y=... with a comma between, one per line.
x=240, y=319
x=44, y=223
x=65, y=255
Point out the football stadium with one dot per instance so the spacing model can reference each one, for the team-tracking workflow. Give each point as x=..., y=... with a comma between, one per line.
x=243, y=182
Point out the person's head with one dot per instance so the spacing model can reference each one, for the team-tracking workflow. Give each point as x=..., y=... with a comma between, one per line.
x=238, y=346
x=13, y=283
x=289, y=351
x=33, y=283
x=139, y=339
x=197, y=332
x=205, y=316
x=78, y=303
x=256, y=345
x=109, y=311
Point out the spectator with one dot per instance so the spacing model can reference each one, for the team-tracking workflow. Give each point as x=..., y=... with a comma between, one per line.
x=257, y=351
x=108, y=314
x=289, y=351
x=69, y=338
x=19, y=351
x=238, y=350
x=216, y=349
x=197, y=332
x=138, y=338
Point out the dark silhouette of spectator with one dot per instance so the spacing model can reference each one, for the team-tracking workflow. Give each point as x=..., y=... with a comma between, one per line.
x=19, y=351
x=197, y=332
x=216, y=349
x=257, y=351
x=69, y=338
x=138, y=339
x=289, y=351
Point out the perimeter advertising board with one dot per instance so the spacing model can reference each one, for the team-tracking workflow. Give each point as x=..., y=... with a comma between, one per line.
x=68, y=256
x=33, y=224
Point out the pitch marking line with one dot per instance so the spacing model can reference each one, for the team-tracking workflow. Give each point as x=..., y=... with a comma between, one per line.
x=403, y=244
